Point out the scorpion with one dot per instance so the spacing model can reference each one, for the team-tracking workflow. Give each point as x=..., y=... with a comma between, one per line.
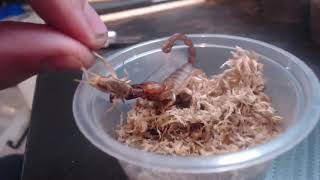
x=164, y=93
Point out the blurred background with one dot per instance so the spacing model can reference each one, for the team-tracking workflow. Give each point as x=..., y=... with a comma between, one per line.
x=289, y=24
x=284, y=11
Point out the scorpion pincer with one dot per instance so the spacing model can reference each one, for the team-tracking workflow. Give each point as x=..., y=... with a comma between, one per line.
x=116, y=87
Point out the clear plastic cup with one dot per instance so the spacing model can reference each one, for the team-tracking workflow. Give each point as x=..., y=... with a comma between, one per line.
x=293, y=86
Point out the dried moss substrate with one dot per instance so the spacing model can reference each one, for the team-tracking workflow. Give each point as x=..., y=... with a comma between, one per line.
x=228, y=112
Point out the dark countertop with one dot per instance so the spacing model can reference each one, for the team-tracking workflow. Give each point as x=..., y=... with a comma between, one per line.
x=57, y=150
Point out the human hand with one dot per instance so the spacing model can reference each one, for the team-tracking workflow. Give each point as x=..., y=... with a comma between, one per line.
x=72, y=30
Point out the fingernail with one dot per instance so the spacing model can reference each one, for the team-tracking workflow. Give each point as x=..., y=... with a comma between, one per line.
x=97, y=26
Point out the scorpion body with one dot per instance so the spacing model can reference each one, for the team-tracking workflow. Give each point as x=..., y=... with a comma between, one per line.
x=176, y=81
x=164, y=93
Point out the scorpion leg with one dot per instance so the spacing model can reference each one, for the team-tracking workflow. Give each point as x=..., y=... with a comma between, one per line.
x=112, y=97
x=86, y=74
x=126, y=76
x=171, y=102
x=113, y=105
x=114, y=100
x=112, y=71
x=107, y=65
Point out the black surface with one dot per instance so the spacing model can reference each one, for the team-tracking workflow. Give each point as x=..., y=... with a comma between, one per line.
x=57, y=150
x=10, y=167
x=60, y=149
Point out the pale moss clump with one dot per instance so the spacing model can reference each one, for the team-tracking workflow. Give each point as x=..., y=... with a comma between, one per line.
x=227, y=113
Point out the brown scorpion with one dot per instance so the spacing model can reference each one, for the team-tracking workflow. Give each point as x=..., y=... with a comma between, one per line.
x=164, y=93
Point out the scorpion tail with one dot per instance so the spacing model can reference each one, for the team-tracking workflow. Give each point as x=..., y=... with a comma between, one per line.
x=167, y=46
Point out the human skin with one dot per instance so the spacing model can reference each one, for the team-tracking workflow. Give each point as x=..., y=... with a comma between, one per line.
x=72, y=30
